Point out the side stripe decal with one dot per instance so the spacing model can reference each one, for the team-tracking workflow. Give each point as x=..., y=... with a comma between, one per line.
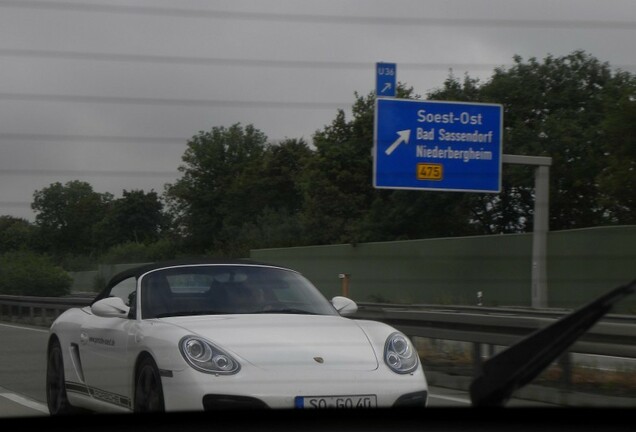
x=99, y=394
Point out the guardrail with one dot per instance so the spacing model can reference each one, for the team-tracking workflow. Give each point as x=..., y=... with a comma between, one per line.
x=40, y=311
x=483, y=327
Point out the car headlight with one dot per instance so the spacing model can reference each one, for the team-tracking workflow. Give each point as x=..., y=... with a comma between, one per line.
x=399, y=354
x=205, y=357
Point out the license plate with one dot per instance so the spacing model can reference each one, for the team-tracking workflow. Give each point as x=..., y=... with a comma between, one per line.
x=358, y=401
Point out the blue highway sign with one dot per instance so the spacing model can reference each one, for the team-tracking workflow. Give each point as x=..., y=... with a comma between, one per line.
x=385, y=79
x=432, y=145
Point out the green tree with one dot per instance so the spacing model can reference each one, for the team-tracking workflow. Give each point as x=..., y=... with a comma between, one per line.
x=270, y=229
x=135, y=217
x=282, y=166
x=278, y=223
x=337, y=182
x=406, y=215
x=218, y=191
x=617, y=179
x=15, y=234
x=66, y=216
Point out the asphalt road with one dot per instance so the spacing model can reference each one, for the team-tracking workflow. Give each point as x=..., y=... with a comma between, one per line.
x=23, y=359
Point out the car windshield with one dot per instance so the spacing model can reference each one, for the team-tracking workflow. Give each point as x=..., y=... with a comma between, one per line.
x=209, y=290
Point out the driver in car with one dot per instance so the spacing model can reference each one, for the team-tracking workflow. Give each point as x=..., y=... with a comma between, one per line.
x=245, y=299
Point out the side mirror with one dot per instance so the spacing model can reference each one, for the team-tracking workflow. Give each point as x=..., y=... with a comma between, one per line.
x=110, y=307
x=345, y=306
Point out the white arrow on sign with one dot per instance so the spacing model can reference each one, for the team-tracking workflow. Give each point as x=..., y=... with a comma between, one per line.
x=386, y=88
x=403, y=137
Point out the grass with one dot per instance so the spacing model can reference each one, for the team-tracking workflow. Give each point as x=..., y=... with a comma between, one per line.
x=621, y=383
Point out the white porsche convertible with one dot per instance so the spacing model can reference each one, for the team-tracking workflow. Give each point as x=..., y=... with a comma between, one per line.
x=204, y=335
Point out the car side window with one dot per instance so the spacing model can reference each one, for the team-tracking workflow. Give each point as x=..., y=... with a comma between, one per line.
x=125, y=290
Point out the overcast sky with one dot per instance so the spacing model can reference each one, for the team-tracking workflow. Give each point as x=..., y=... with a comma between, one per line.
x=110, y=91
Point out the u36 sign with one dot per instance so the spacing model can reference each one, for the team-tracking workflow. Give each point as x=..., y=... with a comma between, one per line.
x=434, y=145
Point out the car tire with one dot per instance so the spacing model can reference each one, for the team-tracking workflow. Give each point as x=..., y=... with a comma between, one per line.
x=56, y=398
x=148, y=388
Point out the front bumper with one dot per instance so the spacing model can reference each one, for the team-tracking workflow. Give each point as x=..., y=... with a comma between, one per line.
x=190, y=390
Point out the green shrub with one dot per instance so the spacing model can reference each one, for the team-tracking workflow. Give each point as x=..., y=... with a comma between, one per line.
x=99, y=283
x=133, y=252
x=76, y=263
x=30, y=274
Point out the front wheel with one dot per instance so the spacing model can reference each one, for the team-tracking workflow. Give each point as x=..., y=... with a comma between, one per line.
x=56, y=398
x=148, y=389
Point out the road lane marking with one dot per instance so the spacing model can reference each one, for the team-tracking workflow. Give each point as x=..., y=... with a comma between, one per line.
x=450, y=398
x=24, y=328
x=29, y=403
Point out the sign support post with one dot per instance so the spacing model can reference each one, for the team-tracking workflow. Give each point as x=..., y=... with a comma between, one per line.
x=541, y=223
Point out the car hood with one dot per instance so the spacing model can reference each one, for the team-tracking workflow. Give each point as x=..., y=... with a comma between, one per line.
x=281, y=340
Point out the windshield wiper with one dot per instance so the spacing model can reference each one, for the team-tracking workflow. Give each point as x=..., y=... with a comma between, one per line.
x=522, y=362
